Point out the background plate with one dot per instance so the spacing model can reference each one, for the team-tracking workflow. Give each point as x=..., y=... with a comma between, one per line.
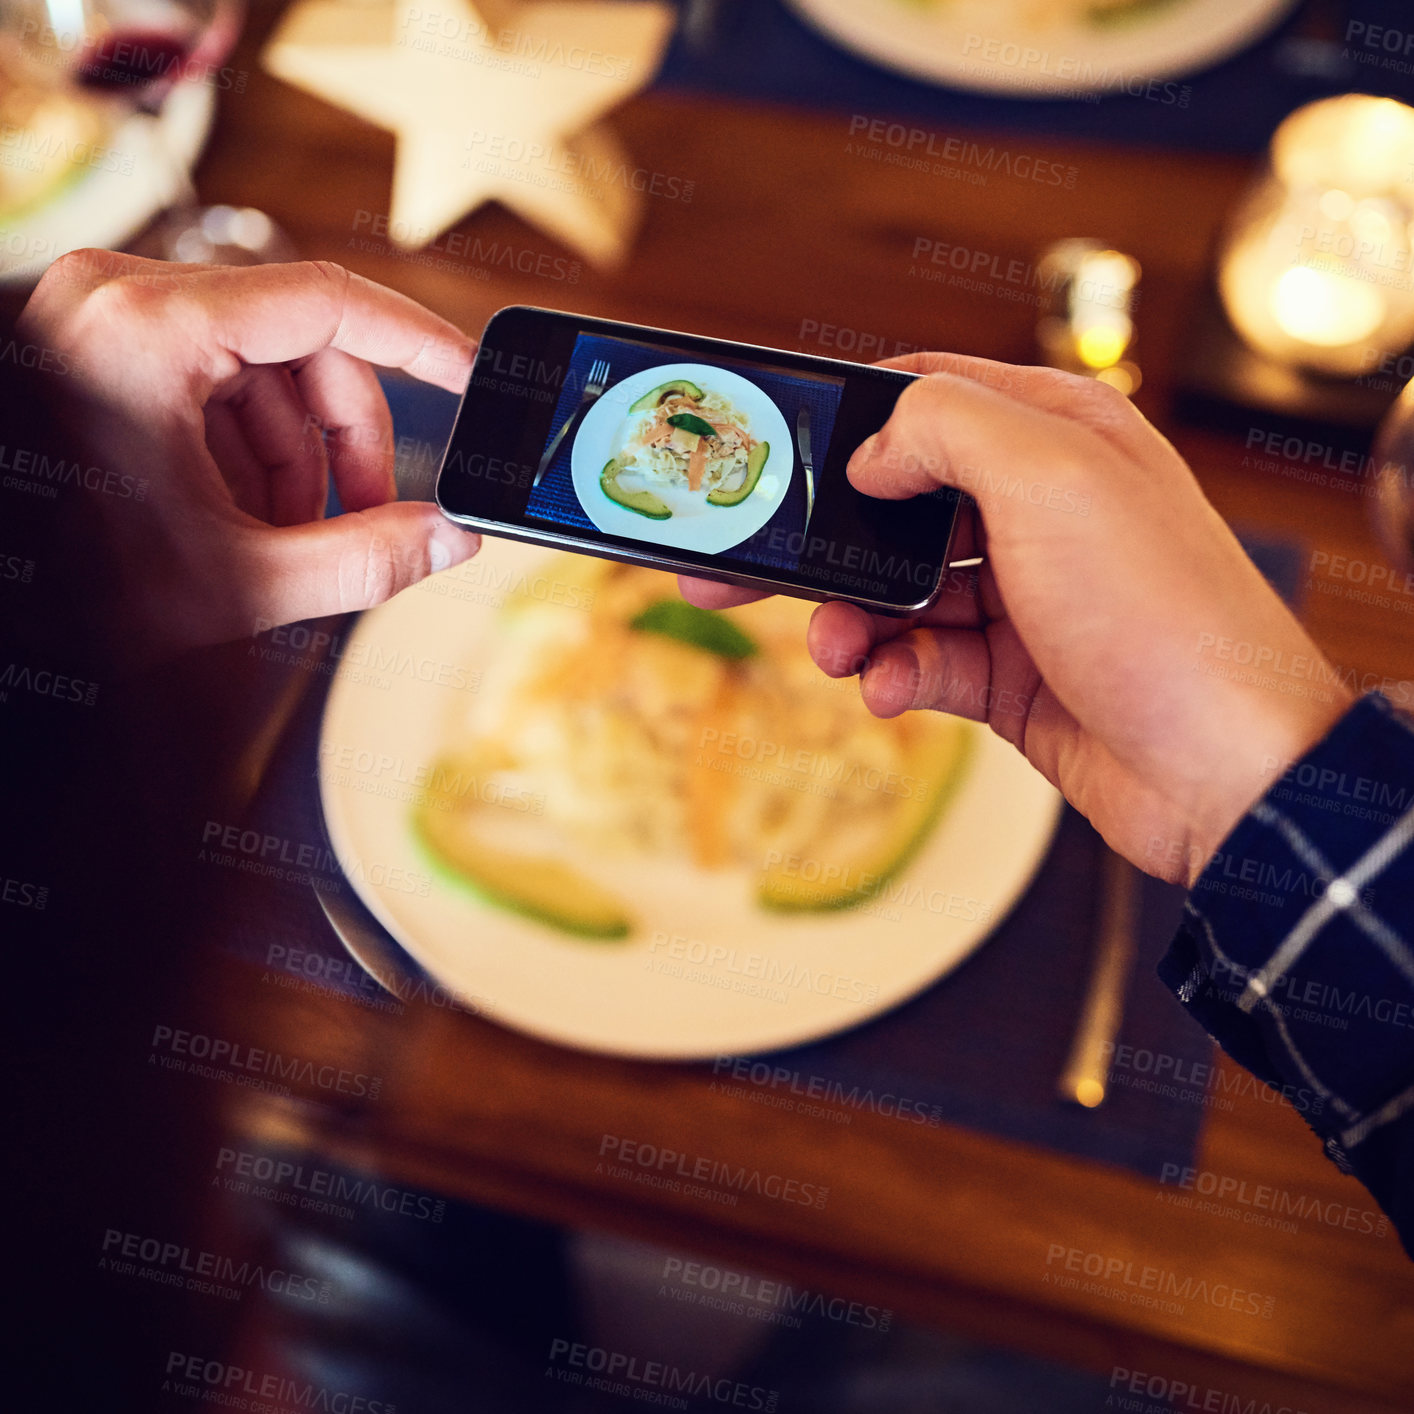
x=689, y=984
x=962, y=50
x=105, y=208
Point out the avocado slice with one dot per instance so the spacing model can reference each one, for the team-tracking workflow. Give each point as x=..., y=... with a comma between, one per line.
x=755, y=462
x=644, y=502
x=940, y=759
x=457, y=841
x=700, y=628
x=654, y=396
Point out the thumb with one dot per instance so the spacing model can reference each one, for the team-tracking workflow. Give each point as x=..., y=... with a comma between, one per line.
x=1015, y=459
x=353, y=561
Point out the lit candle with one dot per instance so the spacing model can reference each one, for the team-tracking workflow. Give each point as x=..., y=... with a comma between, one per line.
x=1318, y=268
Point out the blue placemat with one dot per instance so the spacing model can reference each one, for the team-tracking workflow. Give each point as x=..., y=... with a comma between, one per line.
x=761, y=52
x=555, y=499
x=982, y=1048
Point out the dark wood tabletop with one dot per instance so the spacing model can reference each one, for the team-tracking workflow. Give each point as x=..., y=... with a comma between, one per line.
x=793, y=240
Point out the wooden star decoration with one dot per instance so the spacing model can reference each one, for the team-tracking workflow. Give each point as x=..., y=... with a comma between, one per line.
x=488, y=101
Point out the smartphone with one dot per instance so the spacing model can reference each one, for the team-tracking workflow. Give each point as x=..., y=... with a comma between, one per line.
x=689, y=454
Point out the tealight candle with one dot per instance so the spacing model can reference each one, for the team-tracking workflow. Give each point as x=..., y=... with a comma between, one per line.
x=1318, y=266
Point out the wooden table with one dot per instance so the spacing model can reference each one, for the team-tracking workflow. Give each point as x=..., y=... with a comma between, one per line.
x=790, y=239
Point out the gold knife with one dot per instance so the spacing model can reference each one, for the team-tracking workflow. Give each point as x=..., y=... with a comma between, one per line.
x=1086, y=1075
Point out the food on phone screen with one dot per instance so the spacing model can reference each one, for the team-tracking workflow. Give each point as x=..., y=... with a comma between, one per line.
x=678, y=435
x=732, y=495
x=681, y=387
x=644, y=502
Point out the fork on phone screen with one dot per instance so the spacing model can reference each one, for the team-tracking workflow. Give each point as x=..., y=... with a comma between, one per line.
x=593, y=388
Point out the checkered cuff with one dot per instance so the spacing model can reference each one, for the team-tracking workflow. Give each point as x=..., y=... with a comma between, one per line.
x=1295, y=953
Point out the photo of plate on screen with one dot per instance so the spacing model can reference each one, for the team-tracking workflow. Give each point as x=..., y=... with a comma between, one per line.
x=630, y=825
x=1047, y=48
x=684, y=455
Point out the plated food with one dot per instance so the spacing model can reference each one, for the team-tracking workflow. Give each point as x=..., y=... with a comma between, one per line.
x=680, y=435
x=646, y=732
x=722, y=959
x=688, y=455
x=1056, y=49
x=49, y=134
x=1038, y=16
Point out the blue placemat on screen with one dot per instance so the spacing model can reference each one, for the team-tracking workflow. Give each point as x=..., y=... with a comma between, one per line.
x=981, y=1048
x=555, y=499
x=760, y=51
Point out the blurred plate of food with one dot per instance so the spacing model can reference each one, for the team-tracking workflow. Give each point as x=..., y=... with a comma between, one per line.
x=1046, y=48
x=74, y=173
x=631, y=826
x=682, y=454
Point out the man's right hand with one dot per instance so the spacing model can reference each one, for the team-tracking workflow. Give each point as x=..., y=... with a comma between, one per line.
x=1100, y=635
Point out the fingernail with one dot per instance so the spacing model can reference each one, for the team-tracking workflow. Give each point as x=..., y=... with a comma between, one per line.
x=450, y=546
x=898, y=673
x=910, y=671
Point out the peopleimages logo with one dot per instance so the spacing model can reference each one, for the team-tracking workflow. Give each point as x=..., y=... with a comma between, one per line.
x=667, y=1168
x=1171, y=1075
x=234, y=1386
x=176, y=1264
x=776, y=1302
x=216, y=1058
x=1266, y=1206
x=1117, y=1278
x=651, y=1381
x=1179, y=1397
x=320, y=1190
x=888, y=1103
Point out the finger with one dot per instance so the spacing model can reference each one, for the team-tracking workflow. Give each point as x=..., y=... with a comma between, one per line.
x=69, y=279
x=1068, y=395
x=985, y=370
x=244, y=476
x=841, y=637
x=1018, y=462
x=277, y=313
x=274, y=420
x=351, y=561
x=708, y=594
x=344, y=395
x=946, y=670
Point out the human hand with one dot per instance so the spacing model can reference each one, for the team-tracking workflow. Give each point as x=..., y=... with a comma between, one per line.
x=218, y=387
x=1085, y=639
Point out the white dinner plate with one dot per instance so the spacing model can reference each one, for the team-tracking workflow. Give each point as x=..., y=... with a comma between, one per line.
x=695, y=525
x=148, y=158
x=695, y=979
x=974, y=44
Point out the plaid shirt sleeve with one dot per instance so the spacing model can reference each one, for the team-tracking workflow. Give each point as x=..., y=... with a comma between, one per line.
x=1295, y=949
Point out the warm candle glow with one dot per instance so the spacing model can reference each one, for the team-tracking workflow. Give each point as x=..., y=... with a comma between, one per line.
x=1102, y=345
x=1319, y=265
x=1325, y=309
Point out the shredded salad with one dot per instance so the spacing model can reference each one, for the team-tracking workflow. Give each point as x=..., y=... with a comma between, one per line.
x=698, y=442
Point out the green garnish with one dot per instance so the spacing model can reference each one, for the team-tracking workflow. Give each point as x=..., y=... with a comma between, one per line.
x=690, y=422
x=700, y=628
x=1113, y=15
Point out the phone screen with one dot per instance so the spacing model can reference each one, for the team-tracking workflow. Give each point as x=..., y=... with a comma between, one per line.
x=679, y=451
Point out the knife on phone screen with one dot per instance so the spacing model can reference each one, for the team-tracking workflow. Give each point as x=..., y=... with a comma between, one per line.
x=802, y=440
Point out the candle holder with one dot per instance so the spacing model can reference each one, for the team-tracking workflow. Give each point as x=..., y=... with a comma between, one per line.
x=1317, y=268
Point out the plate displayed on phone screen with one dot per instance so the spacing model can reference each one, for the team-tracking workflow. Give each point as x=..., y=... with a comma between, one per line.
x=694, y=523
x=1062, y=50
x=706, y=969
